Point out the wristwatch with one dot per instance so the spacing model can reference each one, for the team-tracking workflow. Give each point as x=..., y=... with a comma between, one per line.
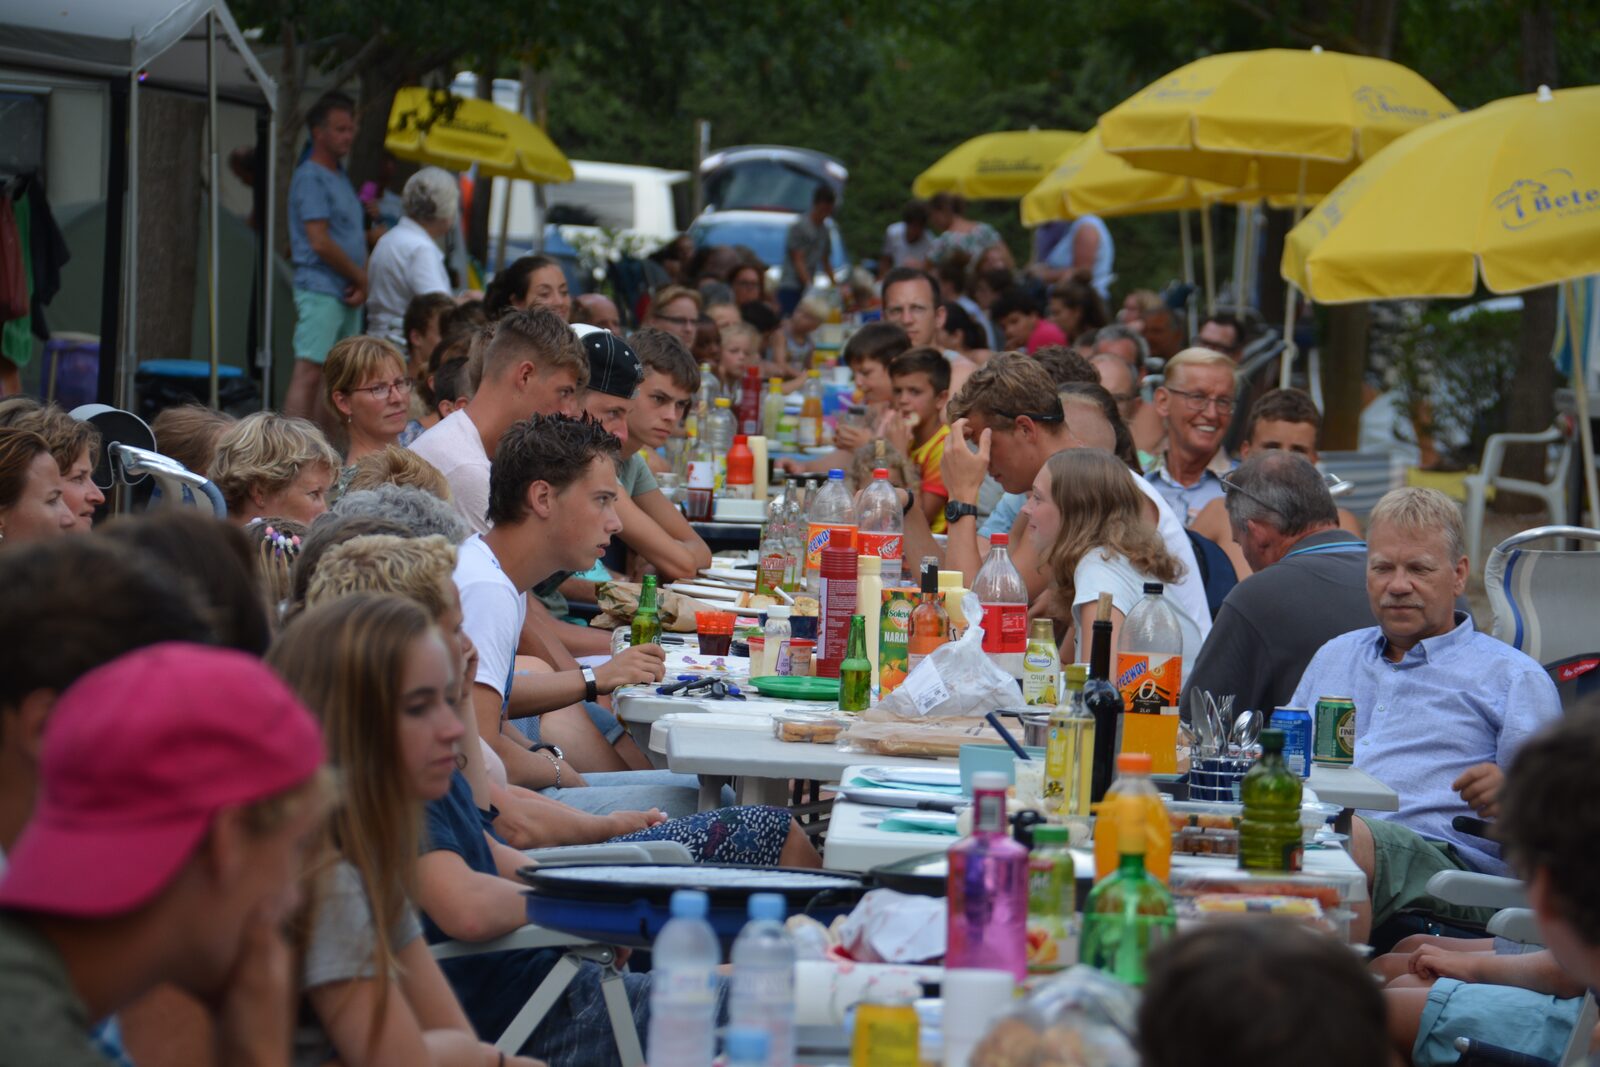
x=911, y=501
x=591, y=689
x=554, y=754
x=954, y=511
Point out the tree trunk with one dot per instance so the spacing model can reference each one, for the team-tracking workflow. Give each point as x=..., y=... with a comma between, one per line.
x=1344, y=362
x=478, y=221
x=1531, y=405
x=171, y=142
x=378, y=82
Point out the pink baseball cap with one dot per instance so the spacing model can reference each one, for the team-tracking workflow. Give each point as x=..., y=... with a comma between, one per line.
x=139, y=756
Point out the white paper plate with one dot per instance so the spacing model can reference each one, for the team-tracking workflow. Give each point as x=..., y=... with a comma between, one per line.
x=914, y=775
x=706, y=592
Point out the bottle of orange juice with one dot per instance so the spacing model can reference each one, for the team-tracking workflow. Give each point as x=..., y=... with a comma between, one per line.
x=1133, y=778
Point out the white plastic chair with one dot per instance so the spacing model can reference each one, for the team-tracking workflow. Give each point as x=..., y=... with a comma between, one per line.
x=578, y=950
x=1544, y=605
x=1553, y=492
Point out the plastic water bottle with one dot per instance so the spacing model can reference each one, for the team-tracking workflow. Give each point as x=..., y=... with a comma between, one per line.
x=718, y=434
x=1005, y=607
x=881, y=528
x=762, y=995
x=830, y=522
x=683, y=986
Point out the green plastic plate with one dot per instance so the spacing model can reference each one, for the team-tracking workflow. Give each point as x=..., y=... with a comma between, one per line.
x=803, y=688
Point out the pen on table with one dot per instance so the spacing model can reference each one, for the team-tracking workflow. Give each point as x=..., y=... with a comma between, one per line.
x=1005, y=735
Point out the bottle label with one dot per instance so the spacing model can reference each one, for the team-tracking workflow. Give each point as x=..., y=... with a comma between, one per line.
x=894, y=635
x=1148, y=681
x=722, y=470
x=771, y=572
x=1005, y=628
x=810, y=431
x=822, y=535
x=702, y=475
x=838, y=602
x=882, y=545
x=990, y=813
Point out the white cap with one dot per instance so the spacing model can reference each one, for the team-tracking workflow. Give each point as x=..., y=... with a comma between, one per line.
x=994, y=780
x=778, y=611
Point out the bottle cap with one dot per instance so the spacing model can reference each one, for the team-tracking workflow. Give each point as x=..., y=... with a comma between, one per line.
x=880, y=472
x=689, y=904
x=778, y=611
x=1077, y=675
x=1050, y=834
x=869, y=565
x=768, y=906
x=1135, y=762
x=1149, y=587
x=1271, y=740
x=746, y=1044
x=836, y=475
x=724, y=402
x=1004, y=539
x=994, y=781
x=930, y=578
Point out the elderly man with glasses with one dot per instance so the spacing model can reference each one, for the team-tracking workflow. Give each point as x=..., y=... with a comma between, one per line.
x=1196, y=401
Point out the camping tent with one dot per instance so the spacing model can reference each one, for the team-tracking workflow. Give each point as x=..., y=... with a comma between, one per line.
x=187, y=46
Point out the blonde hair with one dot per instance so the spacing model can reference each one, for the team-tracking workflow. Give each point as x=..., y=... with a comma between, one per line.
x=189, y=434
x=418, y=568
x=395, y=465
x=1422, y=511
x=267, y=451
x=1199, y=357
x=668, y=293
x=354, y=360
x=67, y=437
x=741, y=329
x=277, y=543
x=814, y=307
x=345, y=661
x=1101, y=509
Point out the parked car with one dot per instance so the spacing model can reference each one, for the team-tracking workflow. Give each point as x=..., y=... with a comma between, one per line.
x=763, y=232
x=753, y=193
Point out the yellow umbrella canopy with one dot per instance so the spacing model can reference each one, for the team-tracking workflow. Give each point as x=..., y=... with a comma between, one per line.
x=1509, y=192
x=996, y=166
x=469, y=131
x=1283, y=110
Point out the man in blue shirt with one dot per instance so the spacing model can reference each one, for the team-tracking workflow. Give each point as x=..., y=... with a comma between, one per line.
x=328, y=245
x=1440, y=708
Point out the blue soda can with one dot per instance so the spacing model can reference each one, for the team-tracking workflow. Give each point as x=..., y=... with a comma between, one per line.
x=1296, y=726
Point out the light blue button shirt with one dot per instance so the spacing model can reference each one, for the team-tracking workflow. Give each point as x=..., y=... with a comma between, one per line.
x=1004, y=515
x=1452, y=702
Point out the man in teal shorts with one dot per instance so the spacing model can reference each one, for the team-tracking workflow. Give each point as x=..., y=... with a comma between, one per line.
x=328, y=245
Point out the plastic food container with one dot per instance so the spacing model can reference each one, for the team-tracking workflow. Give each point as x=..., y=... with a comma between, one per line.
x=811, y=729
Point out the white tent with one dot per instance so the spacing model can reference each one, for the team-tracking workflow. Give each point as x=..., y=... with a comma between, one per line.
x=189, y=46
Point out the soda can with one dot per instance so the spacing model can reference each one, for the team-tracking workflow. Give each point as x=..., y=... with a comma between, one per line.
x=1296, y=726
x=1335, y=738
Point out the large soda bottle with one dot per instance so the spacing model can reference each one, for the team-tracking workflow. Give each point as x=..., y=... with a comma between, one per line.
x=750, y=403
x=831, y=521
x=810, y=430
x=881, y=530
x=719, y=435
x=1133, y=780
x=795, y=533
x=987, y=888
x=762, y=993
x=1150, y=676
x=1005, y=607
x=701, y=484
x=1129, y=912
x=683, y=988
x=1269, y=833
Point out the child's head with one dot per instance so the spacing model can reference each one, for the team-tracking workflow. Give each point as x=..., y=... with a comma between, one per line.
x=741, y=348
x=707, y=347
x=868, y=354
x=452, y=385
x=1016, y=314
x=921, y=386
x=808, y=315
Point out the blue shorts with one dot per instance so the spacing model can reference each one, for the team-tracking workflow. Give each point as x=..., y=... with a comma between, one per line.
x=320, y=322
x=609, y=725
x=1517, y=1019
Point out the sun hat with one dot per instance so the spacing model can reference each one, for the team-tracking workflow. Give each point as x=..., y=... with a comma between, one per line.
x=139, y=756
x=613, y=367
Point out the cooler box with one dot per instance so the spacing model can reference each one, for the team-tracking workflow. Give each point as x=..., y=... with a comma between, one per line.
x=165, y=383
x=70, y=373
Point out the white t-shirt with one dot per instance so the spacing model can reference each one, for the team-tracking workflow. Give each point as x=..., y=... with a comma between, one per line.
x=1097, y=574
x=492, y=612
x=900, y=251
x=1188, y=593
x=405, y=263
x=455, y=447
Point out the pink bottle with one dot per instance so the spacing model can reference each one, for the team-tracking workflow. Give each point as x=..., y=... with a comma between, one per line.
x=988, y=888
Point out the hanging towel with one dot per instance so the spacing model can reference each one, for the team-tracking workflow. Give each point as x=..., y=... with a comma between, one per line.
x=49, y=254
x=16, y=336
x=13, y=268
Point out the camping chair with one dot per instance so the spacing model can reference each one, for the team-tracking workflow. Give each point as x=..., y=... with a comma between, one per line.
x=1370, y=475
x=1552, y=491
x=1543, y=603
x=578, y=950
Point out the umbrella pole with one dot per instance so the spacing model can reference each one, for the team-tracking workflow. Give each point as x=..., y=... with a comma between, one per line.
x=1286, y=365
x=1186, y=249
x=1210, y=260
x=1580, y=390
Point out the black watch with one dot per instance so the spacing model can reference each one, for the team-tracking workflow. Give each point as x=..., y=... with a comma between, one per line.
x=954, y=511
x=545, y=747
x=591, y=689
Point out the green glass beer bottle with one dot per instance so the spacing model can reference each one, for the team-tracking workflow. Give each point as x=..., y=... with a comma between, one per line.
x=855, y=670
x=646, y=623
x=1269, y=833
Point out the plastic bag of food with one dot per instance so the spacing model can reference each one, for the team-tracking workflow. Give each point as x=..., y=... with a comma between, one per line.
x=957, y=679
x=619, y=600
x=1080, y=1018
x=930, y=738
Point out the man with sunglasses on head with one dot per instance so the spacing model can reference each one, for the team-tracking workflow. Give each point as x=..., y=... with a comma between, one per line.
x=1196, y=401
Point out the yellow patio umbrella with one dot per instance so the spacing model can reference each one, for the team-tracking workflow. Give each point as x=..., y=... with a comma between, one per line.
x=996, y=166
x=469, y=131
x=1509, y=194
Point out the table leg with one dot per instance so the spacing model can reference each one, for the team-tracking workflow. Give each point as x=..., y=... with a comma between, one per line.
x=773, y=792
x=711, y=791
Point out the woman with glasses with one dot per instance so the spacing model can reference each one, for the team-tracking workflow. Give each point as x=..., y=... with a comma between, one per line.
x=1087, y=510
x=366, y=387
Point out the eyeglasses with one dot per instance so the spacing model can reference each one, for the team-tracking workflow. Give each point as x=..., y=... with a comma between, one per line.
x=1231, y=486
x=1198, y=402
x=1036, y=417
x=1215, y=346
x=385, y=389
x=679, y=320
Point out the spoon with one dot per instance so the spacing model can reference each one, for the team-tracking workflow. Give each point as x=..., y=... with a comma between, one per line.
x=1244, y=731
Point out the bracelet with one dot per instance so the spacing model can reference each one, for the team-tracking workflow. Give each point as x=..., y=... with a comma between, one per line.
x=911, y=500
x=502, y=1061
x=555, y=762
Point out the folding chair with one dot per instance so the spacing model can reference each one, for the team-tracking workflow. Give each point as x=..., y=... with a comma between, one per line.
x=1369, y=475
x=578, y=951
x=1552, y=491
x=1543, y=603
